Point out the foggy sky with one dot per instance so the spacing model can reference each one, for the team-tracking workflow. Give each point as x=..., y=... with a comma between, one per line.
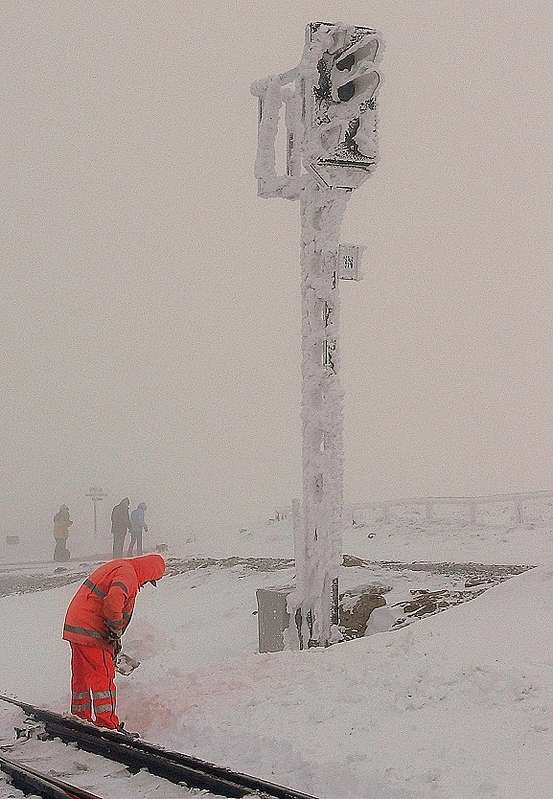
x=150, y=309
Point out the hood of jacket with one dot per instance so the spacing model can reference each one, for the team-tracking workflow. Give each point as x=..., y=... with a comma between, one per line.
x=148, y=567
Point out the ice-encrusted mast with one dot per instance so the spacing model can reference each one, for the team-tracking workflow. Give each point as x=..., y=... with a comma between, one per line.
x=331, y=149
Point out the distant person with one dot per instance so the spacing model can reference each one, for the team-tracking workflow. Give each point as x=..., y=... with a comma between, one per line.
x=137, y=526
x=120, y=523
x=96, y=618
x=62, y=523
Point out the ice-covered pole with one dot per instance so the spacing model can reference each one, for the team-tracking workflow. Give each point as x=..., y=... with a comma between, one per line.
x=322, y=210
x=330, y=150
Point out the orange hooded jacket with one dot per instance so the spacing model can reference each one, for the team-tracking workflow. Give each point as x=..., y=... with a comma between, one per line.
x=102, y=607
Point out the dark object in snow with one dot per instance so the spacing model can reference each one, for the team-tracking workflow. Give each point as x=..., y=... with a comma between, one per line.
x=273, y=617
x=353, y=560
x=355, y=609
x=122, y=729
x=470, y=582
x=426, y=603
x=31, y=729
x=420, y=608
x=161, y=548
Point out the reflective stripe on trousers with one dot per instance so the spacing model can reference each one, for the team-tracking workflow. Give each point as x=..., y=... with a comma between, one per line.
x=99, y=700
x=78, y=707
x=109, y=708
x=101, y=695
x=92, y=668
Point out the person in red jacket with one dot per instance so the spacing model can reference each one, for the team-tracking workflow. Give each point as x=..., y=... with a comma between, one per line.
x=96, y=618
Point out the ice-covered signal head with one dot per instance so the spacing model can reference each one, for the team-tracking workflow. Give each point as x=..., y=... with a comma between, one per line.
x=353, y=76
x=340, y=103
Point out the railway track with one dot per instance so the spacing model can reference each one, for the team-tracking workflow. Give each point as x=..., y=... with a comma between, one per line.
x=30, y=781
x=136, y=754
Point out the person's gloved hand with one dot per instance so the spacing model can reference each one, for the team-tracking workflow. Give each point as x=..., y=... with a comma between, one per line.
x=115, y=641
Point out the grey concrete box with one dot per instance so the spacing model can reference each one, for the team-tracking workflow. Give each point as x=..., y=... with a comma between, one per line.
x=273, y=618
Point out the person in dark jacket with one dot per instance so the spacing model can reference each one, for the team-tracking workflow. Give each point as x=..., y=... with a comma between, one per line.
x=120, y=523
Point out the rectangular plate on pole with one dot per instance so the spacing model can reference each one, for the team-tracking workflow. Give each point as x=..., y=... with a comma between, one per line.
x=349, y=261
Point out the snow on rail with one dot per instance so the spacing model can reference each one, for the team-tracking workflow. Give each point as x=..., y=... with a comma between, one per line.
x=33, y=782
x=137, y=754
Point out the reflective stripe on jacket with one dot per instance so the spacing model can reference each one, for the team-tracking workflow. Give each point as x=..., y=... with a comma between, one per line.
x=103, y=605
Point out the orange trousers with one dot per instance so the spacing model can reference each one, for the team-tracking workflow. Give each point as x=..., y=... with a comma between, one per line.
x=92, y=673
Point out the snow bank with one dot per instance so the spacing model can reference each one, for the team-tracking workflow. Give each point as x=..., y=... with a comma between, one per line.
x=411, y=538
x=456, y=706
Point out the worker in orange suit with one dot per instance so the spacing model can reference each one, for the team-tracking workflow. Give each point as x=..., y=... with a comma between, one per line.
x=96, y=618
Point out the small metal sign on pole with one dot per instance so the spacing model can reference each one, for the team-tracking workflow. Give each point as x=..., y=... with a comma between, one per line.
x=331, y=149
x=96, y=495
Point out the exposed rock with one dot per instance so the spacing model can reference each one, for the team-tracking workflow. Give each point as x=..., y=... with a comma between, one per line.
x=472, y=581
x=425, y=603
x=353, y=560
x=373, y=589
x=356, y=608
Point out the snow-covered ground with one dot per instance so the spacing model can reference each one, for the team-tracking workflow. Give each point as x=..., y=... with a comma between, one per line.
x=409, y=536
x=454, y=707
x=94, y=773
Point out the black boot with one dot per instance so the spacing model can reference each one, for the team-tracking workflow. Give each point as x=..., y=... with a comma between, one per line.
x=121, y=728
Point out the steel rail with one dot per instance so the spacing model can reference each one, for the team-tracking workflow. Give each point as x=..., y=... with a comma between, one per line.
x=33, y=782
x=137, y=754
